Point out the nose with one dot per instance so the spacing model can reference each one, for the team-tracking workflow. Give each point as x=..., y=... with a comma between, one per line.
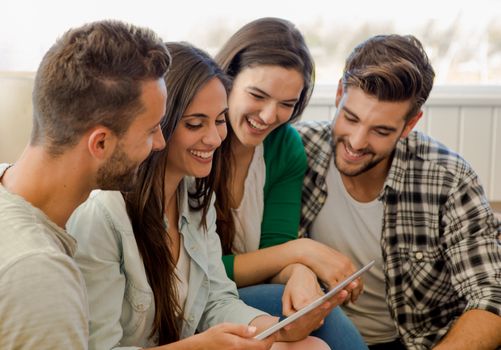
x=158, y=140
x=212, y=137
x=358, y=139
x=268, y=113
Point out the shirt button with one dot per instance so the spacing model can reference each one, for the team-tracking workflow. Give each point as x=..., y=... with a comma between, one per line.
x=419, y=255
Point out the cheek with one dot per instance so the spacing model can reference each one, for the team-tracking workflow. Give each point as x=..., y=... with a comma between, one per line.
x=232, y=117
x=343, y=128
x=222, y=131
x=284, y=116
x=383, y=147
x=234, y=108
x=144, y=148
x=239, y=107
x=176, y=144
x=336, y=128
x=149, y=142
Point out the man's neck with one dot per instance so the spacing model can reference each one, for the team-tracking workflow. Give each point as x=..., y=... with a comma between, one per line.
x=367, y=186
x=56, y=186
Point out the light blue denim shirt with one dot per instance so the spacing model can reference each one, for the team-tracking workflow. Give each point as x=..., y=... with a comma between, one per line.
x=121, y=300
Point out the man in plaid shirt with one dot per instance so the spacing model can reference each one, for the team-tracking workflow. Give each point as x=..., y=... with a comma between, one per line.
x=374, y=189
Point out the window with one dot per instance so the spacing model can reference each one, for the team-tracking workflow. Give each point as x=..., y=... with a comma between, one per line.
x=463, y=38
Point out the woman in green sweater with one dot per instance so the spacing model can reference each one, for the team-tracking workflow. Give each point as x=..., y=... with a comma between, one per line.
x=259, y=190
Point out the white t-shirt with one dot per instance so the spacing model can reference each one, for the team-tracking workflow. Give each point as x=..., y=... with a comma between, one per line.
x=354, y=229
x=249, y=214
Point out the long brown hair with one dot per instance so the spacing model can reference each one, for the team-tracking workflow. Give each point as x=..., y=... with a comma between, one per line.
x=265, y=41
x=191, y=69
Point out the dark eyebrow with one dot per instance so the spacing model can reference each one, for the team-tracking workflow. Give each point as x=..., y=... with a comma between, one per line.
x=383, y=127
x=202, y=115
x=256, y=89
x=347, y=110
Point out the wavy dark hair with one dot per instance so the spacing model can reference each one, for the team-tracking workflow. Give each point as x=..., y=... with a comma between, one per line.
x=264, y=42
x=191, y=69
x=391, y=68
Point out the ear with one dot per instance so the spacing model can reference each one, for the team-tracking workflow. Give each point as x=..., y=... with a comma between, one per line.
x=101, y=142
x=339, y=92
x=411, y=123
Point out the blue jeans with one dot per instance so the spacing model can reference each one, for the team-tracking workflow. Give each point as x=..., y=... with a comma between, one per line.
x=337, y=331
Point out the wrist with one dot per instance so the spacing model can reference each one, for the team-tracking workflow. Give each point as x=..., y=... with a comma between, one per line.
x=299, y=248
x=302, y=272
x=263, y=322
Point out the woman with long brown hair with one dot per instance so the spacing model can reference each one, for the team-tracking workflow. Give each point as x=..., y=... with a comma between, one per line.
x=259, y=201
x=151, y=257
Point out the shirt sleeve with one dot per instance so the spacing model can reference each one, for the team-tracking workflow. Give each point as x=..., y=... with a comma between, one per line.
x=286, y=165
x=285, y=168
x=43, y=304
x=99, y=258
x=473, y=248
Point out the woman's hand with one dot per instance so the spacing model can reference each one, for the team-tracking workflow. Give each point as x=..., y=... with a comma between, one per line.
x=288, y=340
x=307, y=323
x=328, y=264
x=226, y=336
x=301, y=289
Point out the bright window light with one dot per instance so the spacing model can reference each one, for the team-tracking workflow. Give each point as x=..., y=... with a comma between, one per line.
x=462, y=38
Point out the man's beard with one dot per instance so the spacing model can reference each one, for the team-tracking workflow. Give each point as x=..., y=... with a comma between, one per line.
x=362, y=168
x=119, y=173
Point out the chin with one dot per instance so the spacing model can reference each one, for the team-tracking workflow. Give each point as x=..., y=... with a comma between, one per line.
x=254, y=141
x=200, y=174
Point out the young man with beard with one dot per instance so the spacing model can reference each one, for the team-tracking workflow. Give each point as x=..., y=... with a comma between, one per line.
x=375, y=189
x=98, y=100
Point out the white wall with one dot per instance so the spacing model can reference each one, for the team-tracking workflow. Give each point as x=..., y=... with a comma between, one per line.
x=15, y=113
x=467, y=119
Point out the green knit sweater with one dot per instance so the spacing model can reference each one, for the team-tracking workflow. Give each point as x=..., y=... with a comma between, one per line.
x=285, y=162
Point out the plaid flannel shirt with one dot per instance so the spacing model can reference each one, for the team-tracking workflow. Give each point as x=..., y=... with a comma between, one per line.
x=439, y=241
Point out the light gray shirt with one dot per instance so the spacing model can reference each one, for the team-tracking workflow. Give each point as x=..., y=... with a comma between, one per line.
x=43, y=304
x=354, y=229
x=120, y=297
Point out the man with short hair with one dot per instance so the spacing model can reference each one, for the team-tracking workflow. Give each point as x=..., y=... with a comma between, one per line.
x=377, y=190
x=98, y=100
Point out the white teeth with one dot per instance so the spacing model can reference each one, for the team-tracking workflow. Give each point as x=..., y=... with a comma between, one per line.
x=353, y=154
x=204, y=155
x=257, y=125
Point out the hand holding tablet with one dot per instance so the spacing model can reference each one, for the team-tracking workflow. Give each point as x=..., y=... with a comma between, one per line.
x=314, y=304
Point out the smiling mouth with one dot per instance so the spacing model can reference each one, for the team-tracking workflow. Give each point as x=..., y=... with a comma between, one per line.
x=201, y=154
x=255, y=125
x=354, y=155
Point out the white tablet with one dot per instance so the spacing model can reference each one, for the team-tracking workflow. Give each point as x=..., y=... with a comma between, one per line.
x=314, y=304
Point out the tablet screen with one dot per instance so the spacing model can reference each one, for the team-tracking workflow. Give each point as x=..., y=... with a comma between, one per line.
x=266, y=333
